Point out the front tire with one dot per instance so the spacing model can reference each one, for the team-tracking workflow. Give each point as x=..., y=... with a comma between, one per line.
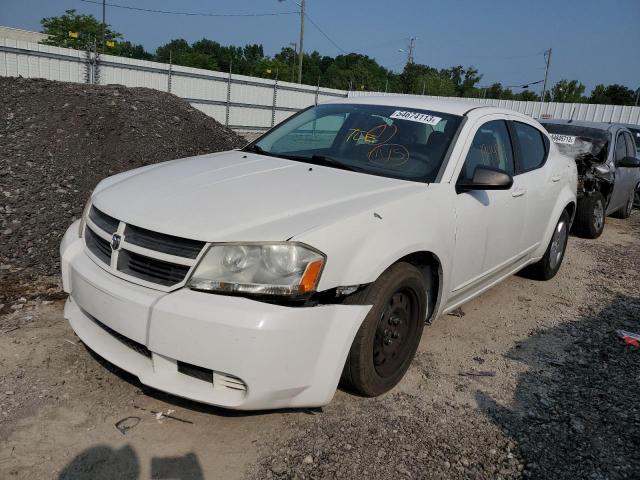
x=590, y=216
x=389, y=336
x=547, y=267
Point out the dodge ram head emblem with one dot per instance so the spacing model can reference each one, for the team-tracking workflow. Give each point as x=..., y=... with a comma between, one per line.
x=115, y=241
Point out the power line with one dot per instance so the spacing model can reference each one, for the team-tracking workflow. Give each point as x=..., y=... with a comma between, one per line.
x=324, y=34
x=191, y=14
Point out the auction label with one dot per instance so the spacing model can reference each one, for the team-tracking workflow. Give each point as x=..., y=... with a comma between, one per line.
x=564, y=139
x=416, y=117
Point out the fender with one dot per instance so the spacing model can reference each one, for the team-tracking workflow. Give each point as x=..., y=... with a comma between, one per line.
x=360, y=248
x=565, y=198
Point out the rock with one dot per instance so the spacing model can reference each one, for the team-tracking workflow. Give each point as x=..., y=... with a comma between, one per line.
x=279, y=467
x=308, y=459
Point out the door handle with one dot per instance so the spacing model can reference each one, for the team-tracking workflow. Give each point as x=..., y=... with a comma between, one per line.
x=518, y=192
x=556, y=178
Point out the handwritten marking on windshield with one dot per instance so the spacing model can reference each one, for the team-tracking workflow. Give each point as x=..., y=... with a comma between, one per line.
x=378, y=134
x=389, y=155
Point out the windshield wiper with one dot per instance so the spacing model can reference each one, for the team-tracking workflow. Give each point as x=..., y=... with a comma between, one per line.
x=256, y=149
x=313, y=159
x=321, y=160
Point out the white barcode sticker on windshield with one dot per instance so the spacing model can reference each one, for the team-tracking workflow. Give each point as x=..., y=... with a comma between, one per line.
x=564, y=139
x=416, y=117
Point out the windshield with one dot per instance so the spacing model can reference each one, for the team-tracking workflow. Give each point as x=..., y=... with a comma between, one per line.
x=577, y=141
x=395, y=142
x=636, y=136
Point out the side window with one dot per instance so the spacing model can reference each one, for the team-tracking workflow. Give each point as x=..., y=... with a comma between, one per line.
x=621, y=148
x=631, y=146
x=533, y=151
x=491, y=147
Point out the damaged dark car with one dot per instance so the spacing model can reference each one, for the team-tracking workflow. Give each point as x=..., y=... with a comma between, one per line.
x=608, y=173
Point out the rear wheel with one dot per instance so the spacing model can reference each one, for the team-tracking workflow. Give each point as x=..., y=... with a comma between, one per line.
x=547, y=267
x=389, y=336
x=625, y=212
x=590, y=216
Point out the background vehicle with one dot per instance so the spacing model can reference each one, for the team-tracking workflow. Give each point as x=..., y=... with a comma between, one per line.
x=635, y=131
x=608, y=173
x=261, y=278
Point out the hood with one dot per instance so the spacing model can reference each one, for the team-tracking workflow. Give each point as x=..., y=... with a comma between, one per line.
x=238, y=196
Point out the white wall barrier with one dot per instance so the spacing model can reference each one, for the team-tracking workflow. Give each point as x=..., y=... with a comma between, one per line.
x=243, y=103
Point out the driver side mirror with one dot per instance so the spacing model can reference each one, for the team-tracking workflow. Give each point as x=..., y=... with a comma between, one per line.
x=485, y=178
x=629, y=162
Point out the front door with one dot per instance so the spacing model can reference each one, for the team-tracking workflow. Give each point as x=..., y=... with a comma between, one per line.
x=489, y=223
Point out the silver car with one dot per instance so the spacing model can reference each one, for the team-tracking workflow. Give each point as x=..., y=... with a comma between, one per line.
x=635, y=131
x=608, y=175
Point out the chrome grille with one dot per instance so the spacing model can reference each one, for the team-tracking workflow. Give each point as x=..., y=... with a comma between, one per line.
x=150, y=258
x=98, y=246
x=102, y=220
x=161, y=242
x=151, y=269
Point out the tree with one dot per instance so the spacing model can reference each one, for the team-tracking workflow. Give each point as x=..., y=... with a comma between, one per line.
x=464, y=79
x=612, y=94
x=568, y=91
x=129, y=50
x=87, y=27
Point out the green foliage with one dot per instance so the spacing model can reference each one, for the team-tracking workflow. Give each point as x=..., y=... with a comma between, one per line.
x=89, y=29
x=613, y=95
x=352, y=71
x=129, y=50
x=568, y=92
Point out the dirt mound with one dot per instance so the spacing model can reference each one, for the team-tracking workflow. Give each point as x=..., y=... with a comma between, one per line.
x=58, y=140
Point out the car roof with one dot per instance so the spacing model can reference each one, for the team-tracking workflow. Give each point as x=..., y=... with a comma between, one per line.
x=453, y=107
x=583, y=123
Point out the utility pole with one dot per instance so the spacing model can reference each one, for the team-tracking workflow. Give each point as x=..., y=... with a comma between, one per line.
x=293, y=61
x=637, y=96
x=547, y=56
x=412, y=46
x=301, y=41
x=104, y=24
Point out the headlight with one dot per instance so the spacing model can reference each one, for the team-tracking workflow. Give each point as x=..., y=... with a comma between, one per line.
x=284, y=268
x=85, y=212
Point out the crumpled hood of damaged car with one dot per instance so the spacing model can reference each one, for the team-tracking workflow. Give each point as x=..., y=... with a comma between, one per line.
x=237, y=196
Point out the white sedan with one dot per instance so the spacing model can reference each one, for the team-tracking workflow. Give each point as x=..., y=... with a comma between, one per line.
x=263, y=278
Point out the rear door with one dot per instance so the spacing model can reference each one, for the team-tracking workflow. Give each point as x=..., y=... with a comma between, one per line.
x=539, y=176
x=489, y=223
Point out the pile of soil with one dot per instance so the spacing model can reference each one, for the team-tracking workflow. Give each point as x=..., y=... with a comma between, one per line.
x=58, y=140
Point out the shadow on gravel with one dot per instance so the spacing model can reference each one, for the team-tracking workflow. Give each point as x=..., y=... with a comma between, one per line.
x=576, y=412
x=104, y=463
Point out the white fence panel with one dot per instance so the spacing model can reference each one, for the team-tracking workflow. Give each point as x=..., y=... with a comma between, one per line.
x=245, y=103
x=577, y=111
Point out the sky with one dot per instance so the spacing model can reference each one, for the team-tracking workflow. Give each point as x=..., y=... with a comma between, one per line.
x=593, y=41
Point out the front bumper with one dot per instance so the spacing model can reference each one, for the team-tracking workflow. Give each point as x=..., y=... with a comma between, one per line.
x=262, y=356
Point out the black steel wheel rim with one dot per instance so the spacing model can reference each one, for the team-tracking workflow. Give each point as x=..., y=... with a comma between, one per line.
x=395, y=332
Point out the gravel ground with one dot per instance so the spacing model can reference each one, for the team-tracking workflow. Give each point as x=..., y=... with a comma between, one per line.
x=574, y=413
x=58, y=140
x=529, y=380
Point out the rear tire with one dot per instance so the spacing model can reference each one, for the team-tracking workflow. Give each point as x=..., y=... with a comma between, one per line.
x=389, y=336
x=547, y=267
x=590, y=216
x=625, y=212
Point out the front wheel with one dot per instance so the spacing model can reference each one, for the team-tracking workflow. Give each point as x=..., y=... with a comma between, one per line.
x=590, y=216
x=547, y=267
x=389, y=335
